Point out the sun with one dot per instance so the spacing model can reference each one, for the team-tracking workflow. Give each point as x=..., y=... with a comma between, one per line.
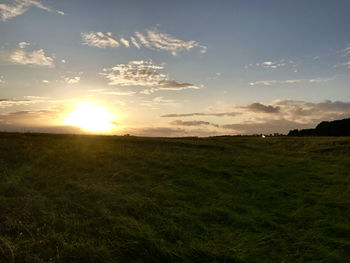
x=90, y=117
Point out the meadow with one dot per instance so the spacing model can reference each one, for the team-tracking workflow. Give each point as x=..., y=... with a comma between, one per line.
x=80, y=198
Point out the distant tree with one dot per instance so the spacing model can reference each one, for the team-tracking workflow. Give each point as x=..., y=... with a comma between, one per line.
x=293, y=132
x=325, y=128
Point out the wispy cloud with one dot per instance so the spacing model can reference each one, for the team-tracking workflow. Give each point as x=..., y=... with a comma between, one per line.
x=259, y=107
x=291, y=81
x=99, y=39
x=269, y=64
x=135, y=43
x=2, y=81
x=26, y=100
x=271, y=82
x=18, y=7
x=23, y=44
x=142, y=39
x=158, y=101
x=5, y=103
x=119, y=93
x=71, y=78
x=346, y=51
x=161, y=41
x=193, y=123
x=158, y=132
x=34, y=58
x=219, y=114
x=152, y=39
x=74, y=80
x=263, y=82
x=125, y=42
x=60, y=12
x=144, y=74
x=320, y=80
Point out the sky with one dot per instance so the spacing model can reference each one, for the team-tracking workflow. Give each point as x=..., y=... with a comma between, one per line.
x=173, y=68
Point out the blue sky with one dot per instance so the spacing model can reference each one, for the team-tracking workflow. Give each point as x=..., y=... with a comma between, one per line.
x=174, y=68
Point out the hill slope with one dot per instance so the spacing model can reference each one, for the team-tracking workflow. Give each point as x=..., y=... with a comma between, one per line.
x=70, y=198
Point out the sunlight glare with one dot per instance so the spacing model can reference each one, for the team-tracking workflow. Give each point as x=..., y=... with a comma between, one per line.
x=90, y=117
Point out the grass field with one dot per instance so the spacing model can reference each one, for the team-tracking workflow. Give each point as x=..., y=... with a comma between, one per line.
x=75, y=198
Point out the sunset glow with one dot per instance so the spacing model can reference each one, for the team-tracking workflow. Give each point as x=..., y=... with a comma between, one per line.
x=90, y=117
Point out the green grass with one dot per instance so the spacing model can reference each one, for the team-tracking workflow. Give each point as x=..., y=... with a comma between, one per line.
x=74, y=198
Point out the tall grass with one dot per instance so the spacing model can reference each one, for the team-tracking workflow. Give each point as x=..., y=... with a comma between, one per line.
x=75, y=198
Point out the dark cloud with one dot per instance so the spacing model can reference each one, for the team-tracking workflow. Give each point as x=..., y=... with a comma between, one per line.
x=221, y=114
x=158, y=132
x=172, y=132
x=259, y=107
x=40, y=129
x=174, y=84
x=30, y=118
x=193, y=123
x=1, y=100
x=267, y=127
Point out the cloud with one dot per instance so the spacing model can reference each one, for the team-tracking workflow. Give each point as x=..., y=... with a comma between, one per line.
x=320, y=80
x=30, y=100
x=60, y=12
x=157, y=101
x=119, y=93
x=291, y=81
x=31, y=120
x=99, y=39
x=291, y=115
x=18, y=7
x=263, y=82
x=125, y=42
x=45, y=81
x=23, y=44
x=301, y=111
x=259, y=107
x=271, y=82
x=74, y=80
x=5, y=103
x=152, y=39
x=144, y=74
x=170, y=85
x=26, y=100
x=266, y=127
x=161, y=41
x=135, y=43
x=346, y=64
x=142, y=39
x=2, y=81
x=278, y=116
x=346, y=51
x=220, y=114
x=269, y=64
x=158, y=132
x=63, y=61
x=34, y=58
x=193, y=123
x=185, y=131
